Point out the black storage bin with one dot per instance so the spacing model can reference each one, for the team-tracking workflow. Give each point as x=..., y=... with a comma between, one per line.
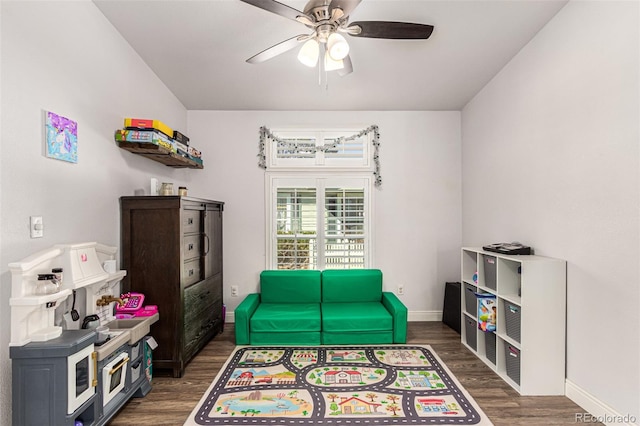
x=490, y=346
x=512, y=314
x=470, y=327
x=451, y=310
x=490, y=264
x=512, y=360
x=470, y=301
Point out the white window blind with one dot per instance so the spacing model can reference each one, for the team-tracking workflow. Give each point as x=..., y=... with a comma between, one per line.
x=346, y=149
x=319, y=223
x=296, y=225
x=344, y=228
x=319, y=149
x=305, y=148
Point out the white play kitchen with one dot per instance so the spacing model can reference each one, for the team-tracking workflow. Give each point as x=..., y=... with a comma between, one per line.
x=79, y=348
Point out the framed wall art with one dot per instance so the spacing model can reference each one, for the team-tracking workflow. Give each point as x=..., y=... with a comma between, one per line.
x=61, y=137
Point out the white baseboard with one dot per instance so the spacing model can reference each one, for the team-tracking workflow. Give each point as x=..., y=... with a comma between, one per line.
x=412, y=316
x=595, y=410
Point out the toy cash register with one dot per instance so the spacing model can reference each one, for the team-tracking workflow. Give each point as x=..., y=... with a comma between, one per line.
x=133, y=307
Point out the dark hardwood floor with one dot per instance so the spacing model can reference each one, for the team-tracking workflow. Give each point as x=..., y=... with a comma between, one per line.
x=171, y=400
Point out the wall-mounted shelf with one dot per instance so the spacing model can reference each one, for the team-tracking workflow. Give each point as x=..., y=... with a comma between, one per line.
x=159, y=154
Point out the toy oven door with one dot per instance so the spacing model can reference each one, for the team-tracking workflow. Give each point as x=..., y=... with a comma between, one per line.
x=114, y=375
x=81, y=370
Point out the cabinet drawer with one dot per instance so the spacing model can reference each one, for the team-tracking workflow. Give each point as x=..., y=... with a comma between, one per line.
x=197, y=297
x=204, y=311
x=197, y=329
x=191, y=271
x=191, y=247
x=190, y=221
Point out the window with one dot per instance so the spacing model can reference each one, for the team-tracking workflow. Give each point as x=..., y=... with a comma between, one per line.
x=319, y=149
x=344, y=228
x=296, y=228
x=319, y=197
x=318, y=222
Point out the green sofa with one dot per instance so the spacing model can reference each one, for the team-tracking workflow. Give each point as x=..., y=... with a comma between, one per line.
x=314, y=308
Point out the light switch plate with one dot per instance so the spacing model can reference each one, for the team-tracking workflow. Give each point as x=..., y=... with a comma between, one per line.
x=36, y=227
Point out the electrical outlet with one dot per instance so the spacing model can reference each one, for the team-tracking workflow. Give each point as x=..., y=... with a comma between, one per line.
x=234, y=291
x=400, y=289
x=36, y=227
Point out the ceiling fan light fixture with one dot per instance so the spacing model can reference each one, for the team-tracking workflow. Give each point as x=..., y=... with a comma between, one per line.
x=337, y=46
x=331, y=64
x=309, y=52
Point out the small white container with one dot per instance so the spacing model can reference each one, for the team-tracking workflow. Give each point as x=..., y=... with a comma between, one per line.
x=153, y=190
x=103, y=333
x=109, y=266
x=166, y=188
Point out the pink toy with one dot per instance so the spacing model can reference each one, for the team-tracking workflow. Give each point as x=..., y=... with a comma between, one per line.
x=132, y=307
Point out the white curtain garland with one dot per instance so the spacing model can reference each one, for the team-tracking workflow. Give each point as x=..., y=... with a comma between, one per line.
x=265, y=134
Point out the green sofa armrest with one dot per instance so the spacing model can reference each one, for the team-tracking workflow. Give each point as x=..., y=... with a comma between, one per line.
x=399, y=313
x=242, y=315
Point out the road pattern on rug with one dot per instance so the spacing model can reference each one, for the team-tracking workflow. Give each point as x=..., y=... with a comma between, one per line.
x=336, y=385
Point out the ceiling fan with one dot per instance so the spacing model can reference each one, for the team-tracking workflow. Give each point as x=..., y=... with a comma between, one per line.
x=329, y=20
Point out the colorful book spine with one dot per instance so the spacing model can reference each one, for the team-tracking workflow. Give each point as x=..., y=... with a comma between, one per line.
x=146, y=136
x=146, y=124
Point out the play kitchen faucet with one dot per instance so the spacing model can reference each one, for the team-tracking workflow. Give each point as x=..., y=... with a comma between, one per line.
x=106, y=299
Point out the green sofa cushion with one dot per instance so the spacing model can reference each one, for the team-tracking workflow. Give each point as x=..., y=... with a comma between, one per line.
x=357, y=338
x=290, y=286
x=359, y=316
x=290, y=317
x=302, y=338
x=352, y=285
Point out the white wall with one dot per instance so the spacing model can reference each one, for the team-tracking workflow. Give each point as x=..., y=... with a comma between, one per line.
x=417, y=210
x=550, y=158
x=66, y=57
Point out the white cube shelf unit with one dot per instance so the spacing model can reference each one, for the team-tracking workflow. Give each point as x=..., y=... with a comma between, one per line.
x=528, y=348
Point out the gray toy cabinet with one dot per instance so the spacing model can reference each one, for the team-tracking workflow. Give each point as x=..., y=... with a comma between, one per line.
x=44, y=383
x=42, y=380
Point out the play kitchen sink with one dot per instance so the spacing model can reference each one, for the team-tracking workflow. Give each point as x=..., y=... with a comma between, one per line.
x=123, y=331
x=137, y=328
x=125, y=324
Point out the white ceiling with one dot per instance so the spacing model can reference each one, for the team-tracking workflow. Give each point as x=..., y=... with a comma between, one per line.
x=198, y=49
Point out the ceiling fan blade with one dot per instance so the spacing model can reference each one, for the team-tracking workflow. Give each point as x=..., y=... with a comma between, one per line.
x=276, y=7
x=348, y=66
x=305, y=20
x=347, y=6
x=392, y=30
x=278, y=49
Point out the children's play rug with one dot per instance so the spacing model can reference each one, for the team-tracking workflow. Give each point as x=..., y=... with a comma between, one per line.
x=336, y=386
